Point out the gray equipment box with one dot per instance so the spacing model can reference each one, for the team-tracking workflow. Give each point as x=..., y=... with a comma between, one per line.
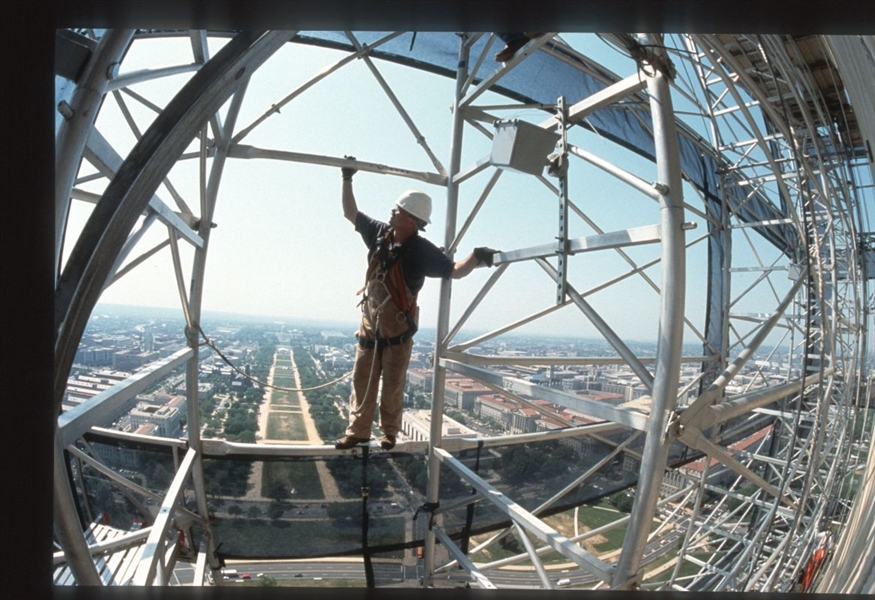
x=522, y=147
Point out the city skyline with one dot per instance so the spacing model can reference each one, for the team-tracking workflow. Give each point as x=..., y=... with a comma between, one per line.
x=345, y=327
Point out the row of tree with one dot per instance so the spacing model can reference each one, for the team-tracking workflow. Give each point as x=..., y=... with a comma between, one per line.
x=323, y=409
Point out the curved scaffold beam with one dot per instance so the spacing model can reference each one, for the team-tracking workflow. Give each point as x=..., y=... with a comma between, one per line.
x=92, y=259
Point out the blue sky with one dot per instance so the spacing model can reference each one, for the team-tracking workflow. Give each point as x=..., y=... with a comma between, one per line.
x=283, y=248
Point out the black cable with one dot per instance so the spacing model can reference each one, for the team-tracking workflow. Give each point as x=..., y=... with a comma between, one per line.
x=366, y=492
x=469, y=517
x=227, y=361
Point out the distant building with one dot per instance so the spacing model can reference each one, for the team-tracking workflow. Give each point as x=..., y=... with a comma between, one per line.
x=571, y=384
x=147, y=429
x=159, y=398
x=540, y=379
x=94, y=356
x=418, y=361
x=120, y=457
x=495, y=407
x=580, y=445
x=612, y=398
x=420, y=377
x=133, y=359
x=166, y=420
x=179, y=402
x=524, y=420
x=205, y=390
x=416, y=426
x=333, y=336
x=461, y=393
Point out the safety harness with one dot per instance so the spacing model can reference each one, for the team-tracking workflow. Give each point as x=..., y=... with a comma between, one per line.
x=386, y=268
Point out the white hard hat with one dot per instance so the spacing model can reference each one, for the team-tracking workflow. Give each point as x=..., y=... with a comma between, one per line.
x=416, y=203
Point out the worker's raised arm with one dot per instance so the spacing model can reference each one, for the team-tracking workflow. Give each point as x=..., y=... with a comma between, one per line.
x=350, y=208
x=466, y=265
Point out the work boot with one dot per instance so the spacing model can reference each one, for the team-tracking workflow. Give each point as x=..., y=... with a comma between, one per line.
x=348, y=441
x=387, y=442
x=515, y=43
x=510, y=49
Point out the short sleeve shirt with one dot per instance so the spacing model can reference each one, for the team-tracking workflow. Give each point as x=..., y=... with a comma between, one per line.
x=419, y=257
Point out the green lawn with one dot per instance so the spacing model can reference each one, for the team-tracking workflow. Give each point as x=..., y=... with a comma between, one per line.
x=283, y=379
x=280, y=398
x=592, y=517
x=286, y=426
x=301, y=475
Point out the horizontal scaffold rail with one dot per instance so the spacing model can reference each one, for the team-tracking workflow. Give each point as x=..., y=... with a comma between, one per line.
x=252, y=152
x=212, y=448
x=648, y=234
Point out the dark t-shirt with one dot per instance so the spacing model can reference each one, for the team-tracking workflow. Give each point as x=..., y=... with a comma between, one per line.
x=419, y=257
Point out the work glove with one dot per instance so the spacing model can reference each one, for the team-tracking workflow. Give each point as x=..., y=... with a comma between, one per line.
x=484, y=255
x=347, y=172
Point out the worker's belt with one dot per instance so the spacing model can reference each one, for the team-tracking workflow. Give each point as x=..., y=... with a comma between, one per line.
x=381, y=342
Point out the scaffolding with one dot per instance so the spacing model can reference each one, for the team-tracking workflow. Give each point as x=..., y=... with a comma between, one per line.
x=739, y=474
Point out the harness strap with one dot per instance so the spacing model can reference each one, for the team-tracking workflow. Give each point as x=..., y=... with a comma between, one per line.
x=382, y=342
x=397, y=288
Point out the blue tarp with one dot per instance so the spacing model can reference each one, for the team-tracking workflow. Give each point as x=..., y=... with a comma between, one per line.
x=542, y=78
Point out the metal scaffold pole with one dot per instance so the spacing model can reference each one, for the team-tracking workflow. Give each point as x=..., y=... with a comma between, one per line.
x=439, y=380
x=671, y=320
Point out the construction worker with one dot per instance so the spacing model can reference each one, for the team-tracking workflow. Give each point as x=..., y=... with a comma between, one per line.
x=399, y=261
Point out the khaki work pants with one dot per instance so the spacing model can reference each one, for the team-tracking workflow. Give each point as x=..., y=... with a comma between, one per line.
x=379, y=369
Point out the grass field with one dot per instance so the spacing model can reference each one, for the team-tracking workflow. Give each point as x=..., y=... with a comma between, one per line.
x=286, y=426
x=300, y=475
x=590, y=517
x=280, y=398
x=283, y=378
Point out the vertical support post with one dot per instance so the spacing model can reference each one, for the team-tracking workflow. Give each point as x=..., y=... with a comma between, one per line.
x=443, y=323
x=671, y=322
x=562, y=283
